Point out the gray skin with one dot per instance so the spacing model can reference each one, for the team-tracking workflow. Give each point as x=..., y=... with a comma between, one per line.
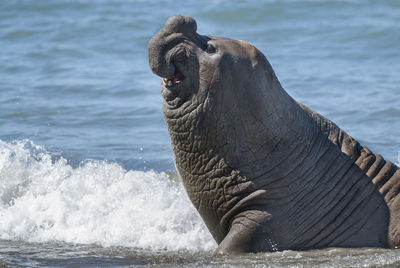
x=264, y=171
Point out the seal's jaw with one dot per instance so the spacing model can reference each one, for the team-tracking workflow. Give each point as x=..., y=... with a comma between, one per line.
x=178, y=85
x=175, y=80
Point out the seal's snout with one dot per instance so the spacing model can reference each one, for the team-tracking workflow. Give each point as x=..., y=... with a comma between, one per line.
x=181, y=24
x=163, y=41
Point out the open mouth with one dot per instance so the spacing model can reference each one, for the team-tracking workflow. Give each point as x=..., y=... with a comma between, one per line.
x=176, y=79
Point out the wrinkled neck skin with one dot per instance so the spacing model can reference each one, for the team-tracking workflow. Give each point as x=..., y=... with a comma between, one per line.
x=239, y=130
x=235, y=128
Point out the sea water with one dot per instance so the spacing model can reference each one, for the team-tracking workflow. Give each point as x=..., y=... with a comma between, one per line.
x=86, y=168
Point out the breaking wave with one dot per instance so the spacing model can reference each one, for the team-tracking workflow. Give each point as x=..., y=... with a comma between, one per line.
x=43, y=198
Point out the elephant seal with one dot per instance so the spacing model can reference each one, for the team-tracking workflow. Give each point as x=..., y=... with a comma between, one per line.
x=265, y=172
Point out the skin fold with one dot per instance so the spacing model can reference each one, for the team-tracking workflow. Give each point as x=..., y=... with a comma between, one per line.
x=264, y=171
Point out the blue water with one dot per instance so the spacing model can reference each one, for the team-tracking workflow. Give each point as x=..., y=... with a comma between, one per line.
x=80, y=111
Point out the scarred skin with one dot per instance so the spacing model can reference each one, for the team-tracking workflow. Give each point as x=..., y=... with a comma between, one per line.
x=265, y=172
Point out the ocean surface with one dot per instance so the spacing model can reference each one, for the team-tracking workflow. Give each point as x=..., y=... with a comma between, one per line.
x=86, y=169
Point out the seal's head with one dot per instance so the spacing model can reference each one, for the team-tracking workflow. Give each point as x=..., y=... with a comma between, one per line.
x=193, y=66
x=219, y=93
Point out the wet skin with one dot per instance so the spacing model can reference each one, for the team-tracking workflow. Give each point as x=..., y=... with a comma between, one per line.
x=264, y=171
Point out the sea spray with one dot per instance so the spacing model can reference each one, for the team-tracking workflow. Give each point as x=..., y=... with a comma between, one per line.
x=43, y=198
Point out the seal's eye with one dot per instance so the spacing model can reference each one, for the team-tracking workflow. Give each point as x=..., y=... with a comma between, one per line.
x=210, y=48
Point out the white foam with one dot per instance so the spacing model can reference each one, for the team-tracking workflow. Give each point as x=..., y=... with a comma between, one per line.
x=43, y=199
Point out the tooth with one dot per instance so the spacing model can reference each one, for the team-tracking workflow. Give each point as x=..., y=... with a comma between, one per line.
x=169, y=83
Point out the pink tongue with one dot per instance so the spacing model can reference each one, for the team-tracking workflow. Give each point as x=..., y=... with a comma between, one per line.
x=178, y=76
